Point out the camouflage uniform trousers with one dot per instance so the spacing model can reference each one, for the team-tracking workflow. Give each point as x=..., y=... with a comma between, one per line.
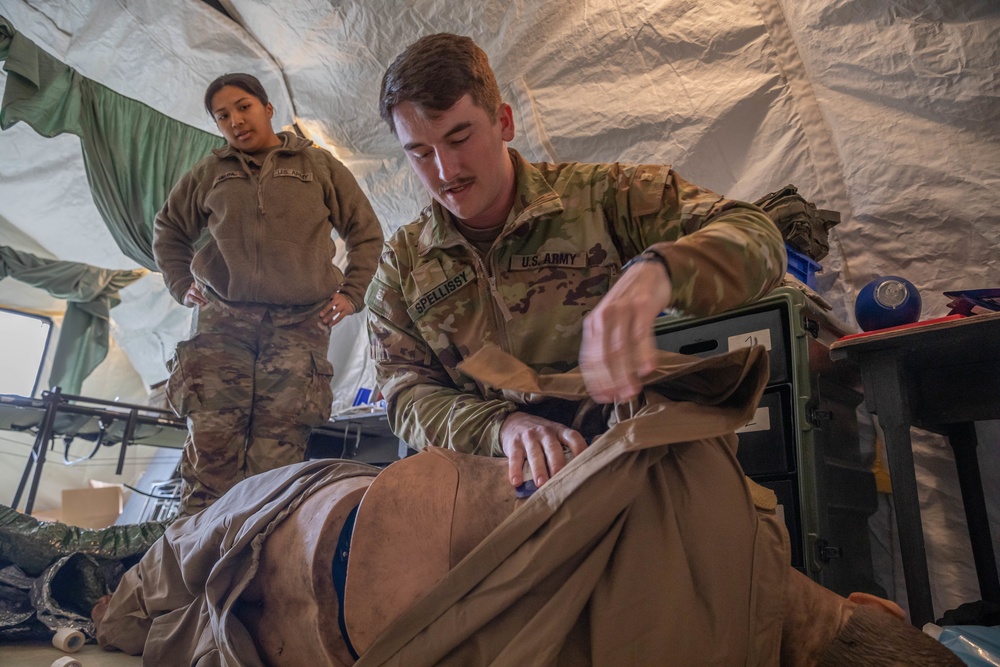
x=252, y=382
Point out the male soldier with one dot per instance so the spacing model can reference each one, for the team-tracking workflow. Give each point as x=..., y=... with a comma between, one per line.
x=549, y=262
x=530, y=257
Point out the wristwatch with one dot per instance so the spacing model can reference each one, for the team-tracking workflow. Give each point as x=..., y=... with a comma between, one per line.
x=648, y=255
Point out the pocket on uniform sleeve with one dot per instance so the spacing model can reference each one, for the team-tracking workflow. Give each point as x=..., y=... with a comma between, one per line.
x=318, y=399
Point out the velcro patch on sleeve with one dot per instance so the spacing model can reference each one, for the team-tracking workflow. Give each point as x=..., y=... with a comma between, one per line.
x=385, y=302
x=428, y=275
x=646, y=189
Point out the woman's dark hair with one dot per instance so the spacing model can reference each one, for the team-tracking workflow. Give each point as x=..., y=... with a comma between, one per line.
x=247, y=82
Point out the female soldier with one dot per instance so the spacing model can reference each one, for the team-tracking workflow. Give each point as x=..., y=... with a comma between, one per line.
x=245, y=237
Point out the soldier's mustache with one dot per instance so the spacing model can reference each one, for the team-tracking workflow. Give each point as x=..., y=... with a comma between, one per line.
x=457, y=183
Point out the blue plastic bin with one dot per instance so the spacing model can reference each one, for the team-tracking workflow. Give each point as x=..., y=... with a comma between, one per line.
x=802, y=267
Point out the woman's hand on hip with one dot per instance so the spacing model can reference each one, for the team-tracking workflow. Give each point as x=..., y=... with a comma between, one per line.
x=336, y=310
x=194, y=297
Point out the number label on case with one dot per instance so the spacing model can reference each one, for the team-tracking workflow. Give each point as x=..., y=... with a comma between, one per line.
x=751, y=338
x=761, y=422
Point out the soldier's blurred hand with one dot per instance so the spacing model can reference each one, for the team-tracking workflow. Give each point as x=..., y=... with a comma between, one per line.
x=618, y=347
x=194, y=297
x=540, y=442
x=337, y=309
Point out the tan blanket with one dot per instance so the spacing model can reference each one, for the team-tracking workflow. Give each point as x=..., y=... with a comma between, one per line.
x=648, y=549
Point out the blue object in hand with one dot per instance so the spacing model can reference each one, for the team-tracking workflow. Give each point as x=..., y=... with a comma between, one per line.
x=889, y=301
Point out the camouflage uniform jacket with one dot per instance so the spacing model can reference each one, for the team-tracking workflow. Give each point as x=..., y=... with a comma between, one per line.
x=270, y=227
x=435, y=300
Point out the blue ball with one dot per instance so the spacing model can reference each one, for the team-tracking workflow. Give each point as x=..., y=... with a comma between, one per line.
x=886, y=302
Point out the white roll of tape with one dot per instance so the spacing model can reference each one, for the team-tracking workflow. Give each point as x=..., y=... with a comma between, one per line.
x=68, y=640
x=66, y=661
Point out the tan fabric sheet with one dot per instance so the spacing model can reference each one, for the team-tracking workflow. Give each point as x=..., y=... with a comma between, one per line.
x=646, y=550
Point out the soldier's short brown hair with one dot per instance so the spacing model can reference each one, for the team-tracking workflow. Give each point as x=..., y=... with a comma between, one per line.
x=434, y=72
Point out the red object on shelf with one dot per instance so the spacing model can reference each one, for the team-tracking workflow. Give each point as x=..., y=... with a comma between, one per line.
x=913, y=325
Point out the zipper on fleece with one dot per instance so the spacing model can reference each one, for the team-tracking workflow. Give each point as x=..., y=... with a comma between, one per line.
x=500, y=313
x=255, y=232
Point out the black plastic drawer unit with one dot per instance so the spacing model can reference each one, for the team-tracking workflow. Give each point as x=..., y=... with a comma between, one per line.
x=767, y=442
x=803, y=439
x=706, y=338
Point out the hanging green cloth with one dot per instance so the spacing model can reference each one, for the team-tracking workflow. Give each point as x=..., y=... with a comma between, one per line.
x=133, y=154
x=91, y=293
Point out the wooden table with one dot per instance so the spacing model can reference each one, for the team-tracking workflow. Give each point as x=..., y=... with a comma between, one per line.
x=942, y=377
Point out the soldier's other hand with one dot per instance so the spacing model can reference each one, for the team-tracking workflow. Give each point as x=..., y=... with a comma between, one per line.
x=337, y=309
x=618, y=347
x=538, y=441
x=194, y=297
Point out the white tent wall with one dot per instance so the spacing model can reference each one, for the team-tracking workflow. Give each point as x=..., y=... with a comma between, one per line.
x=907, y=143
x=884, y=110
x=909, y=92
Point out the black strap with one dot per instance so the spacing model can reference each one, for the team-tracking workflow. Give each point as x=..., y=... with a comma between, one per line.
x=340, y=574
